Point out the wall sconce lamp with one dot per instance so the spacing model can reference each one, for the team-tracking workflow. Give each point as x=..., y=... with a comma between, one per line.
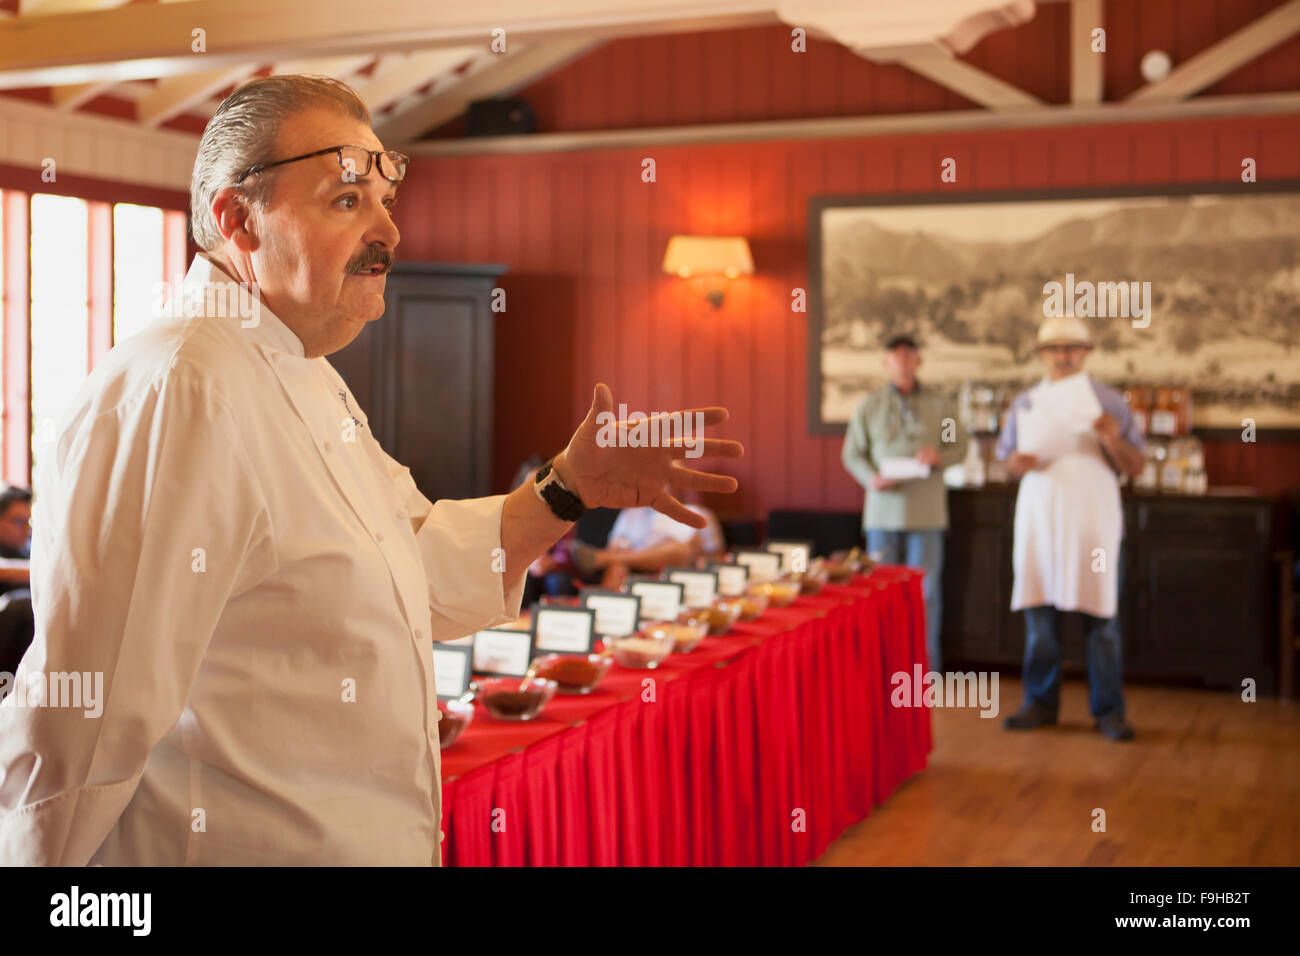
x=709, y=256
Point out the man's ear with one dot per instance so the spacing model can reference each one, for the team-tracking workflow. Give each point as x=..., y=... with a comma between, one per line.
x=233, y=213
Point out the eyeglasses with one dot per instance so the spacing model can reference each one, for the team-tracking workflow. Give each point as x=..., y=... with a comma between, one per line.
x=355, y=161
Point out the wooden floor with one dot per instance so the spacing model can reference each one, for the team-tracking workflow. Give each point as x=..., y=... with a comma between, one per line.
x=1209, y=780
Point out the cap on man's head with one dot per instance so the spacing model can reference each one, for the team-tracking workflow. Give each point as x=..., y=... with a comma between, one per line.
x=897, y=340
x=1063, y=330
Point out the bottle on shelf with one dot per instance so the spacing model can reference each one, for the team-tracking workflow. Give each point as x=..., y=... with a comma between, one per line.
x=1153, y=459
x=973, y=472
x=1184, y=468
x=1139, y=402
x=1164, y=414
x=1183, y=400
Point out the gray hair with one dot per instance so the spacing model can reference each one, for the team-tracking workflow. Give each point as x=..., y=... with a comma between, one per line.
x=242, y=133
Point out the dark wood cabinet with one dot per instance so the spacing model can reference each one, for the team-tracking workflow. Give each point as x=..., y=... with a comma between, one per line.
x=1196, y=588
x=423, y=374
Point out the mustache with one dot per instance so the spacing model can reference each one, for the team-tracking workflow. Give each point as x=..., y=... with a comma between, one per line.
x=374, y=255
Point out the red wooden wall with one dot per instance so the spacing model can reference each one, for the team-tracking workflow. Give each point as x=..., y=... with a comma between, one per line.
x=583, y=237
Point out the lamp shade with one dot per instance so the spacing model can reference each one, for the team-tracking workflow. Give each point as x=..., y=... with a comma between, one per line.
x=708, y=256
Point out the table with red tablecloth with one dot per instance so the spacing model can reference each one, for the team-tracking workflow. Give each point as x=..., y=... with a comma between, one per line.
x=758, y=747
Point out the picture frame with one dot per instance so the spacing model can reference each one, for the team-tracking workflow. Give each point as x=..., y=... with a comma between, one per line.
x=1238, y=368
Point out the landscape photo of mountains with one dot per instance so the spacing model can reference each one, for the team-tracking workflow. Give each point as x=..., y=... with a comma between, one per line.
x=967, y=281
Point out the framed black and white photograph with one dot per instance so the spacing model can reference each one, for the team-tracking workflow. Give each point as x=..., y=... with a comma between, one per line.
x=1204, y=279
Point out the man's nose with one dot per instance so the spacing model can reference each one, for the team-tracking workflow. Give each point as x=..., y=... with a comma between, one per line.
x=384, y=231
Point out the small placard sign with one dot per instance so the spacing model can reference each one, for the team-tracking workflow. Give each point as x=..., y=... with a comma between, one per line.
x=563, y=630
x=451, y=668
x=732, y=578
x=762, y=565
x=503, y=653
x=660, y=600
x=795, y=555
x=617, y=614
x=699, y=588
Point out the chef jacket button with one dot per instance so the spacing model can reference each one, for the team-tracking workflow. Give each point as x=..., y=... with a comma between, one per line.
x=329, y=445
x=379, y=536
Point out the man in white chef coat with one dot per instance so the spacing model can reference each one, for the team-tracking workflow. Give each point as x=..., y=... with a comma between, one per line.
x=1069, y=525
x=255, y=582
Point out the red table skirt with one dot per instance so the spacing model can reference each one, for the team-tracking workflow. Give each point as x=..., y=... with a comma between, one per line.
x=759, y=747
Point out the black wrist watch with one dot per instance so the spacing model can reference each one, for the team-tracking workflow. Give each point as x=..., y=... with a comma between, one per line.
x=564, y=504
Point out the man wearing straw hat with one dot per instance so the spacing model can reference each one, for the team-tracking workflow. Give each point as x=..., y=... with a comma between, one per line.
x=1068, y=438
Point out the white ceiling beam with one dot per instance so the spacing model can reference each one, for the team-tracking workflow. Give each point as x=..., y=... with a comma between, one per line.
x=1255, y=104
x=416, y=71
x=152, y=40
x=339, y=67
x=888, y=32
x=1086, y=67
x=78, y=94
x=499, y=74
x=43, y=8
x=973, y=83
x=178, y=94
x=1220, y=59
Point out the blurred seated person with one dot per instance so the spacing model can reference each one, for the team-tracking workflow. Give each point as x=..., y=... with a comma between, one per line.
x=712, y=542
x=17, y=625
x=644, y=540
x=553, y=573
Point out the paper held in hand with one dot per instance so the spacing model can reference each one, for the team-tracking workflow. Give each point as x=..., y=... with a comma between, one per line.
x=903, y=469
x=1070, y=402
x=1043, y=437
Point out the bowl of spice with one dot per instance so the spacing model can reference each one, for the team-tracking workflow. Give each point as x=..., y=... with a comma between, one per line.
x=781, y=591
x=753, y=603
x=453, y=717
x=645, y=650
x=515, y=698
x=723, y=614
x=572, y=673
x=811, y=581
x=683, y=637
x=692, y=627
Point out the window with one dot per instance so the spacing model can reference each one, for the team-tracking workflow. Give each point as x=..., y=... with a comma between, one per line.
x=137, y=266
x=95, y=270
x=60, y=324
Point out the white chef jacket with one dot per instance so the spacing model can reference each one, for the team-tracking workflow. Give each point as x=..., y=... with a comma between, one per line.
x=213, y=536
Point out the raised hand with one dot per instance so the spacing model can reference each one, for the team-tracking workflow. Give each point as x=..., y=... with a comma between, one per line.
x=605, y=474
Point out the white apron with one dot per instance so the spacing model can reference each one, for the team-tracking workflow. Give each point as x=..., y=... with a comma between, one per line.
x=1069, y=524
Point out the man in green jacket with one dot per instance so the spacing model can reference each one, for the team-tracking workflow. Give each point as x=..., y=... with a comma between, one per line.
x=898, y=430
